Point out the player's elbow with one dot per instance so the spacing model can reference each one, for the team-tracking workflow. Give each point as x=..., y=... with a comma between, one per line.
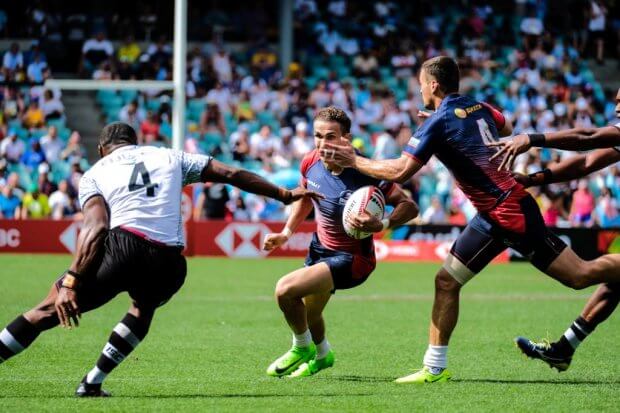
x=401, y=175
x=412, y=209
x=506, y=130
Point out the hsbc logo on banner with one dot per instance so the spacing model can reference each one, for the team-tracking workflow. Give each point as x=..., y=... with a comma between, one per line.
x=243, y=240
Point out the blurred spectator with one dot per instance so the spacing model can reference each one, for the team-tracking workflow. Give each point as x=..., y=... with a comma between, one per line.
x=532, y=28
x=52, y=107
x=13, y=61
x=211, y=202
x=243, y=108
x=44, y=184
x=386, y=147
x=262, y=143
x=222, y=65
x=13, y=182
x=95, y=51
x=51, y=145
x=9, y=203
x=75, y=175
x=220, y=95
x=582, y=205
x=35, y=205
x=36, y=68
x=34, y=155
x=435, y=213
x=239, y=210
x=365, y=64
x=60, y=202
x=302, y=142
x=596, y=28
x=129, y=52
x=132, y=114
x=34, y=116
x=149, y=128
x=74, y=151
x=11, y=147
x=240, y=144
x=553, y=210
x=264, y=61
x=211, y=120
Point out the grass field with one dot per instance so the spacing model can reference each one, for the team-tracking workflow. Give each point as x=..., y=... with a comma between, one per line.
x=209, y=346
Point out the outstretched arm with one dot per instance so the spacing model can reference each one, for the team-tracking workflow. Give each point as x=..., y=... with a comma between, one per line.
x=573, y=168
x=301, y=210
x=570, y=139
x=247, y=181
x=343, y=154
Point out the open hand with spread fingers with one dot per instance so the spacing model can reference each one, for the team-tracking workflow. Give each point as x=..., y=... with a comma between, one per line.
x=341, y=153
x=510, y=148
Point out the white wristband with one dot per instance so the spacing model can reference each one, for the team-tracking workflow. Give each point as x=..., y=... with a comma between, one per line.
x=386, y=223
x=287, y=232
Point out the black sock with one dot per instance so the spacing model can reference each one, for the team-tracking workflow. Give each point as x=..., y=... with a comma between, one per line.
x=16, y=337
x=572, y=338
x=124, y=339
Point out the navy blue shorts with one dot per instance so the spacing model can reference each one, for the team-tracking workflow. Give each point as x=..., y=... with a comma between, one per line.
x=519, y=226
x=348, y=270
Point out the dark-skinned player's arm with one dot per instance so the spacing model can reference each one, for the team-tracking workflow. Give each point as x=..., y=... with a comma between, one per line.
x=578, y=139
x=404, y=211
x=572, y=168
x=247, y=181
x=300, y=211
x=89, y=244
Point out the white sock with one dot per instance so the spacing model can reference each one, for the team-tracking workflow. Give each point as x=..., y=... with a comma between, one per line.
x=322, y=349
x=302, y=340
x=436, y=358
x=95, y=376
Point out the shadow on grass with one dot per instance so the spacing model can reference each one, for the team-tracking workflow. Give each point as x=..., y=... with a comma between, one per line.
x=537, y=381
x=362, y=379
x=195, y=396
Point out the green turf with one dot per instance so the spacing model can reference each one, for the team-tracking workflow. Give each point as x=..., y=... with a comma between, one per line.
x=210, y=345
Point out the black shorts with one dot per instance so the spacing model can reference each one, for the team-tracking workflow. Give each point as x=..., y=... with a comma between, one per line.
x=348, y=270
x=486, y=236
x=150, y=273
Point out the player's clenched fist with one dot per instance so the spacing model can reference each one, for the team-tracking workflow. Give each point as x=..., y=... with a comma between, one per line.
x=273, y=241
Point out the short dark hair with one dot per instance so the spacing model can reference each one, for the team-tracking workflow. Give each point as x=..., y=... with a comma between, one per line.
x=334, y=114
x=117, y=133
x=445, y=70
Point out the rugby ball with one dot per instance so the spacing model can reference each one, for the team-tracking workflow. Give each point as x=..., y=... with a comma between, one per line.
x=367, y=199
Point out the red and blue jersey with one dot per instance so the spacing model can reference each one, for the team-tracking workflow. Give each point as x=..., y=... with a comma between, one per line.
x=457, y=133
x=328, y=211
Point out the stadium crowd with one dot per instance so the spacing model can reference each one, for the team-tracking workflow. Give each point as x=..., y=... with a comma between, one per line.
x=526, y=57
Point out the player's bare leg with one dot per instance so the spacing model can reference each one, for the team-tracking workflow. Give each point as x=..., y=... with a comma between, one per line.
x=599, y=307
x=290, y=292
x=575, y=272
x=291, y=289
x=125, y=337
x=443, y=321
x=324, y=358
x=22, y=331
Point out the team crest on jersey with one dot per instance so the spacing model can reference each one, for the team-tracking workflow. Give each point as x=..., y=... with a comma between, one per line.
x=460, y=113
x=344, y=195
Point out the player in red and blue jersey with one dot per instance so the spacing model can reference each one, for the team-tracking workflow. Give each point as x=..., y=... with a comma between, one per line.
x=335, y=260
x=458, y=133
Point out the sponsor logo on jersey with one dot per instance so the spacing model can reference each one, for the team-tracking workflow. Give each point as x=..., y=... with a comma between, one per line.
x=314, y=184
x=460, y=113
x=413, y=142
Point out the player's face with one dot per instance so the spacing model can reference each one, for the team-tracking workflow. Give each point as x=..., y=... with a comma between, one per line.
x=326, y=131
x=427, y=86
x=618, y=104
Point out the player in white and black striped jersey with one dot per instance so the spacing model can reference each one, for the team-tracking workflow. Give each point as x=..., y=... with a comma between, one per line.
x=603, y=302
x=131, y=241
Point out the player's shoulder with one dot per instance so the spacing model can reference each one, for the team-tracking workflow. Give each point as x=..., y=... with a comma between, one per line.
x=308, y=160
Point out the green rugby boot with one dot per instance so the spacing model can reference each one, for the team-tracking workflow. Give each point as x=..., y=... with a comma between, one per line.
x=314, y=366
x=289, y=361
x=425, y=376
